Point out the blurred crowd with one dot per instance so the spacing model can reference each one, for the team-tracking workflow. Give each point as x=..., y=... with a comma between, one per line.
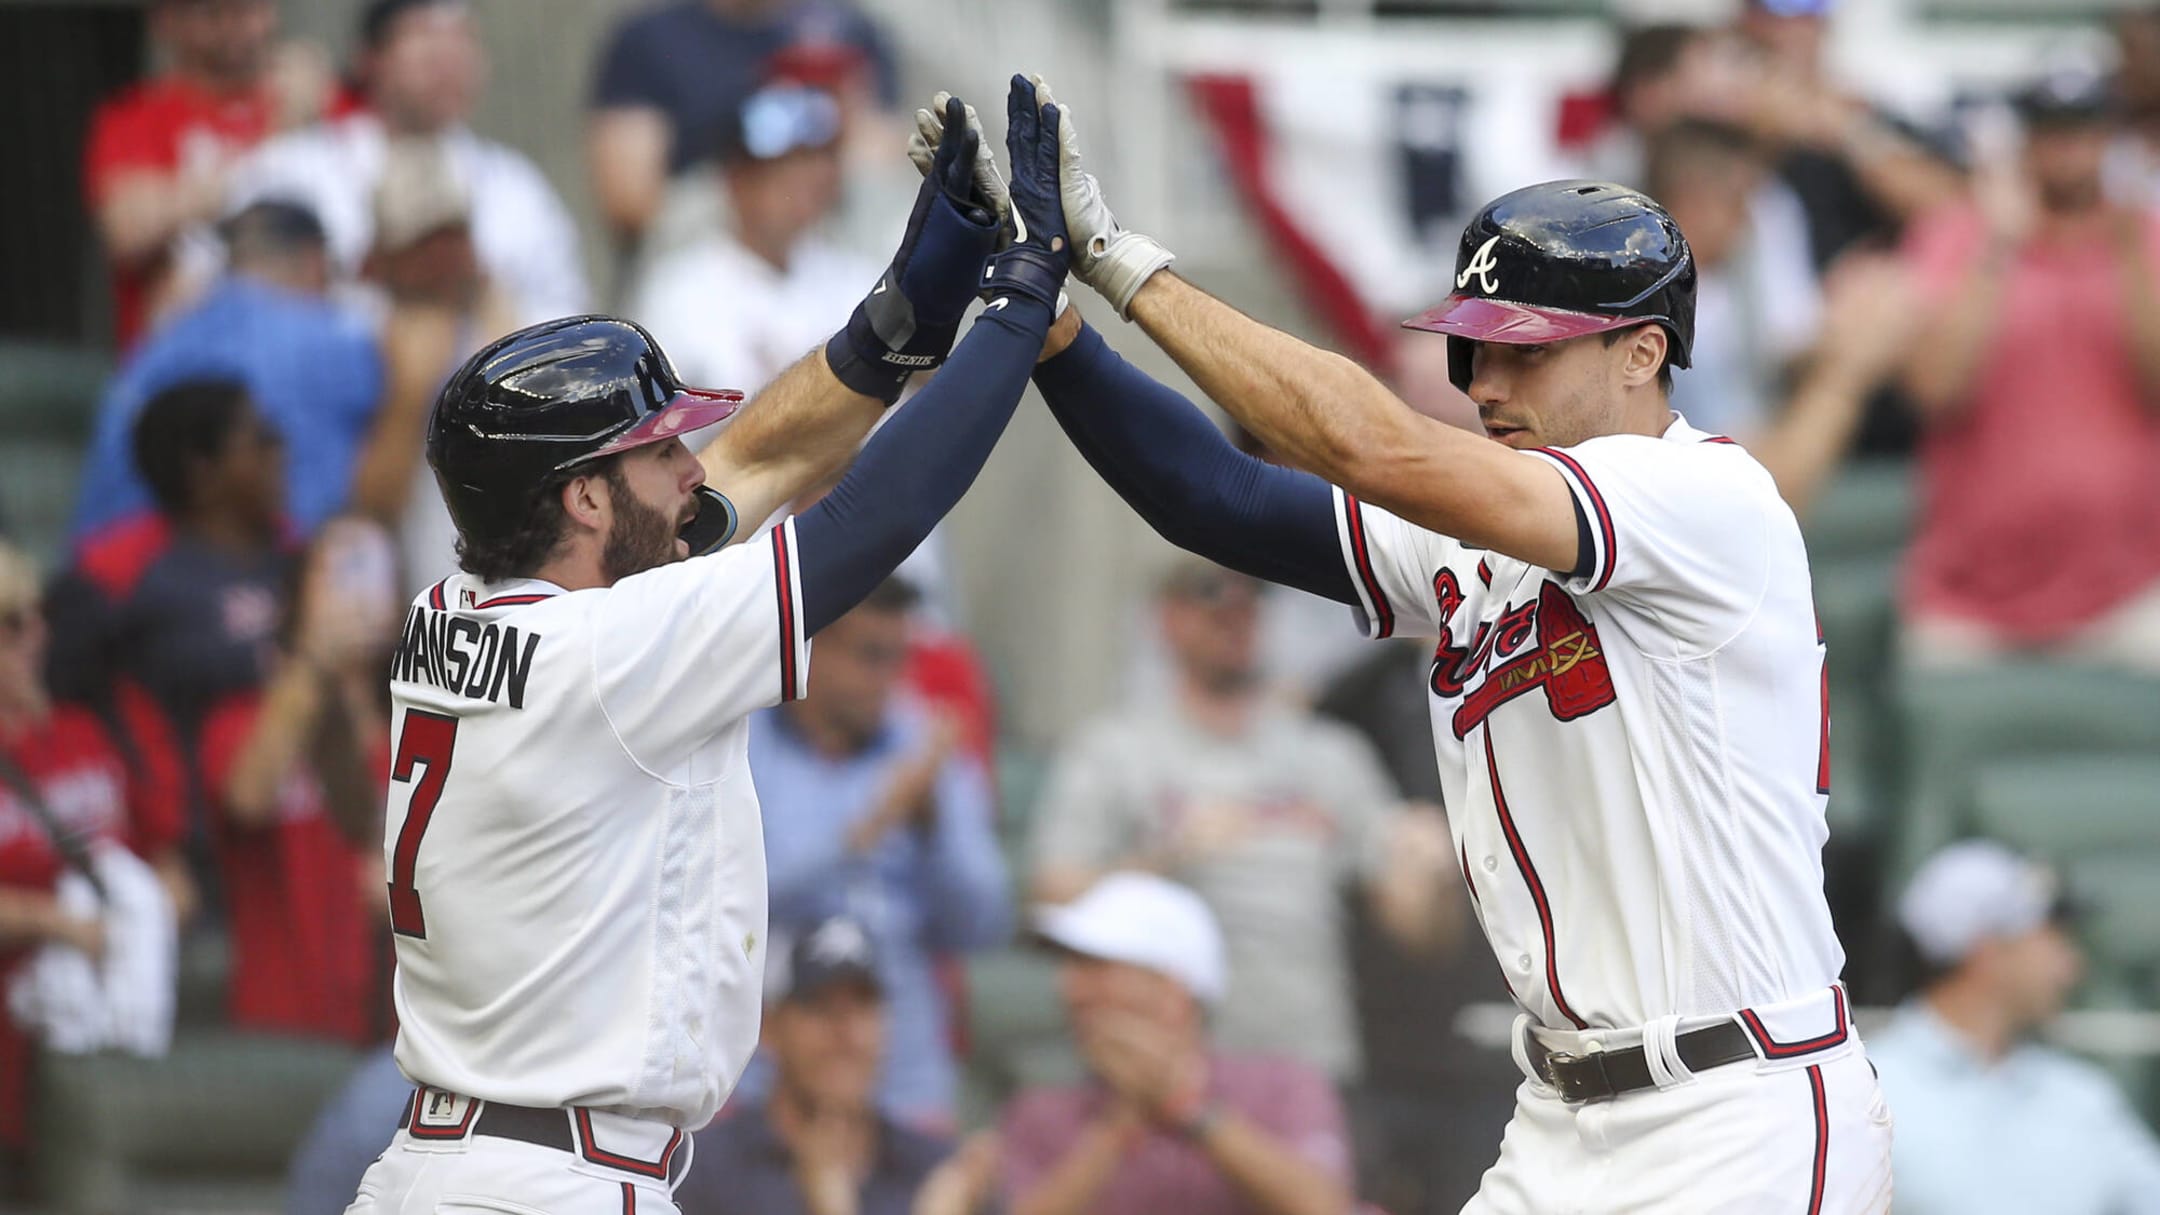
x=1235, y=887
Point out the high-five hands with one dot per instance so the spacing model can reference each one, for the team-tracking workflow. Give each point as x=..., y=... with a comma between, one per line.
x=1104, y=255
x=1034, y=264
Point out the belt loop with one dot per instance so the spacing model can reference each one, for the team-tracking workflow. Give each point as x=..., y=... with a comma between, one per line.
x=1661, y=1053
x=1519, y=1047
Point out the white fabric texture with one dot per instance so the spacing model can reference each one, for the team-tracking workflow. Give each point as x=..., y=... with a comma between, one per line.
x=122, y=1001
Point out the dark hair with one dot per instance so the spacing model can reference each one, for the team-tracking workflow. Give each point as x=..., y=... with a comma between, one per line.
x=1650, y=51
x=271, y=230
x=377, y=18
x=1665, y=369
x=526, y=548
x=182, y=424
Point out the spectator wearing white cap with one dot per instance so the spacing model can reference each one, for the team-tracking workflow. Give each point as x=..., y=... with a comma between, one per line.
x=1165, y=1122
x=1988, y=1121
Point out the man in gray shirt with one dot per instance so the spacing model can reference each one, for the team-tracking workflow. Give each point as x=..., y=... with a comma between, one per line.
x=1265, y=810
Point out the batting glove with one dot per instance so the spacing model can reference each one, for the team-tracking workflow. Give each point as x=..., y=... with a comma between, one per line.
x=989, y=190
x=1034, y=265
x=1105, y=256
x=909, y=320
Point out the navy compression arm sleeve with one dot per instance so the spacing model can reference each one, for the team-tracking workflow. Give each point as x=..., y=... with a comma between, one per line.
x=1178, y=472
x=917, y=465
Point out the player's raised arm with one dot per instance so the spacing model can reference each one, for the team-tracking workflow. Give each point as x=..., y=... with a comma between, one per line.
x=1323, y=412
x=803, y=427
x=1165, y=457
x=920, y=464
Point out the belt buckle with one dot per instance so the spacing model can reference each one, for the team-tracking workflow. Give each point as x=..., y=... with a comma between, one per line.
x=1577, y=1084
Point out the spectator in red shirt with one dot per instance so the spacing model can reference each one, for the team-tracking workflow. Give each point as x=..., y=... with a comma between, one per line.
x=1165, y=1123
x=93, y=794
x=2038, y=381
x=155, y=168
x=292, y=774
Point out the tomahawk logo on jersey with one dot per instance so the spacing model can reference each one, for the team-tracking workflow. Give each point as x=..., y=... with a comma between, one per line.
x=1631, y=755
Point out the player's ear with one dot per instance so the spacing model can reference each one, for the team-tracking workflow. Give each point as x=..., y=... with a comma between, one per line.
x=585, y=501
x=1642, y=354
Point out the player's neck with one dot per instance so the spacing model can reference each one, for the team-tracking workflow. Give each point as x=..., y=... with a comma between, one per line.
x=577, y=567
x=1649, y=413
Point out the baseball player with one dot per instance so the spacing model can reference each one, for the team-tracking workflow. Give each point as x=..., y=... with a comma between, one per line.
x=1626, y=688
x=576, y=874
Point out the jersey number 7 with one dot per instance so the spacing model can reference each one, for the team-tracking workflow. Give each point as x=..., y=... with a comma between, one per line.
x=426, y=739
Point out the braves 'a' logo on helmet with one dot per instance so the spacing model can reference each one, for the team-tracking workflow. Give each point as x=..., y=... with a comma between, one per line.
x=1483, y=264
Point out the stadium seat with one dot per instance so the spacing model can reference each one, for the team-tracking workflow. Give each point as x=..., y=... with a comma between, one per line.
x=48, y=399
x=208, y=1127
x=1854, y=601
x=1956, y=722
x=1864, y=513
x=2068, y=807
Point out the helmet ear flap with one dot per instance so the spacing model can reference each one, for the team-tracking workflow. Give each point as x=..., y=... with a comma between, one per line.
x=1459, y=352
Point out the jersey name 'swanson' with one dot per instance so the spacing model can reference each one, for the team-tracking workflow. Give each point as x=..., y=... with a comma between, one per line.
x=465, y=657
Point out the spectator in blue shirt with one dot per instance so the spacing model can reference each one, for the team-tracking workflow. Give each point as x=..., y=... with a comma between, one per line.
x=1987, y=1120
x=313, y=371
x=871, y=812
x=818, y=1145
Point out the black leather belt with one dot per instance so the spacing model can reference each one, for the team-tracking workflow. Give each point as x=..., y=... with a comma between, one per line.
x=548, y=1128
x=1598, y=1074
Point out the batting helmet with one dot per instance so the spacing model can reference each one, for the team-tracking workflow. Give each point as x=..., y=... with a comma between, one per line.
x=1563, y=259
x=536, y=404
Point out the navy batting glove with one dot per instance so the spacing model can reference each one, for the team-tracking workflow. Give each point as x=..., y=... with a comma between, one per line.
x=1034, y=265
x=909, y=320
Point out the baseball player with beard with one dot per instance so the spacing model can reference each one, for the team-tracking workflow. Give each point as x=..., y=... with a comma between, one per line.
x=1627, y=686
x=576, y=872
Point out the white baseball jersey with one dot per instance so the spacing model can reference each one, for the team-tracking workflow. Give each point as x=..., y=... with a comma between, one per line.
x=1635, y=762
x=576, y=867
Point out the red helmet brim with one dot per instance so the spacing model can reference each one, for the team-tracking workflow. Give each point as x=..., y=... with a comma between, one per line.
x=692, y=409
x=1489, y=320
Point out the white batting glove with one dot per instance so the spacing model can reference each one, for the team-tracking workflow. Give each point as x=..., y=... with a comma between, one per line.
x=922, y=147
x=1105, y=256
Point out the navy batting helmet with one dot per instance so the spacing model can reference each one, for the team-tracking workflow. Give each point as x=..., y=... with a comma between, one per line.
x=533, y=406
x=1563, y=259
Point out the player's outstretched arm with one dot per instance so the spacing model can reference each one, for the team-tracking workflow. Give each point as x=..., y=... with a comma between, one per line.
x=1319, y=410
x=805, y=425
x=1165, y=457
x=1178, y=472
x=920, y=464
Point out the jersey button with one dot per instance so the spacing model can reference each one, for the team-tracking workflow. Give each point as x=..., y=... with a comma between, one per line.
x=1523, y=963
x=1491, y=863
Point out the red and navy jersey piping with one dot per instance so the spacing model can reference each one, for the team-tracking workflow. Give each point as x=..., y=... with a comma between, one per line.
x=1361, y=565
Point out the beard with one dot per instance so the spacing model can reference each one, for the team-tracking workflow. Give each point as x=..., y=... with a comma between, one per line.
x=640, y=539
